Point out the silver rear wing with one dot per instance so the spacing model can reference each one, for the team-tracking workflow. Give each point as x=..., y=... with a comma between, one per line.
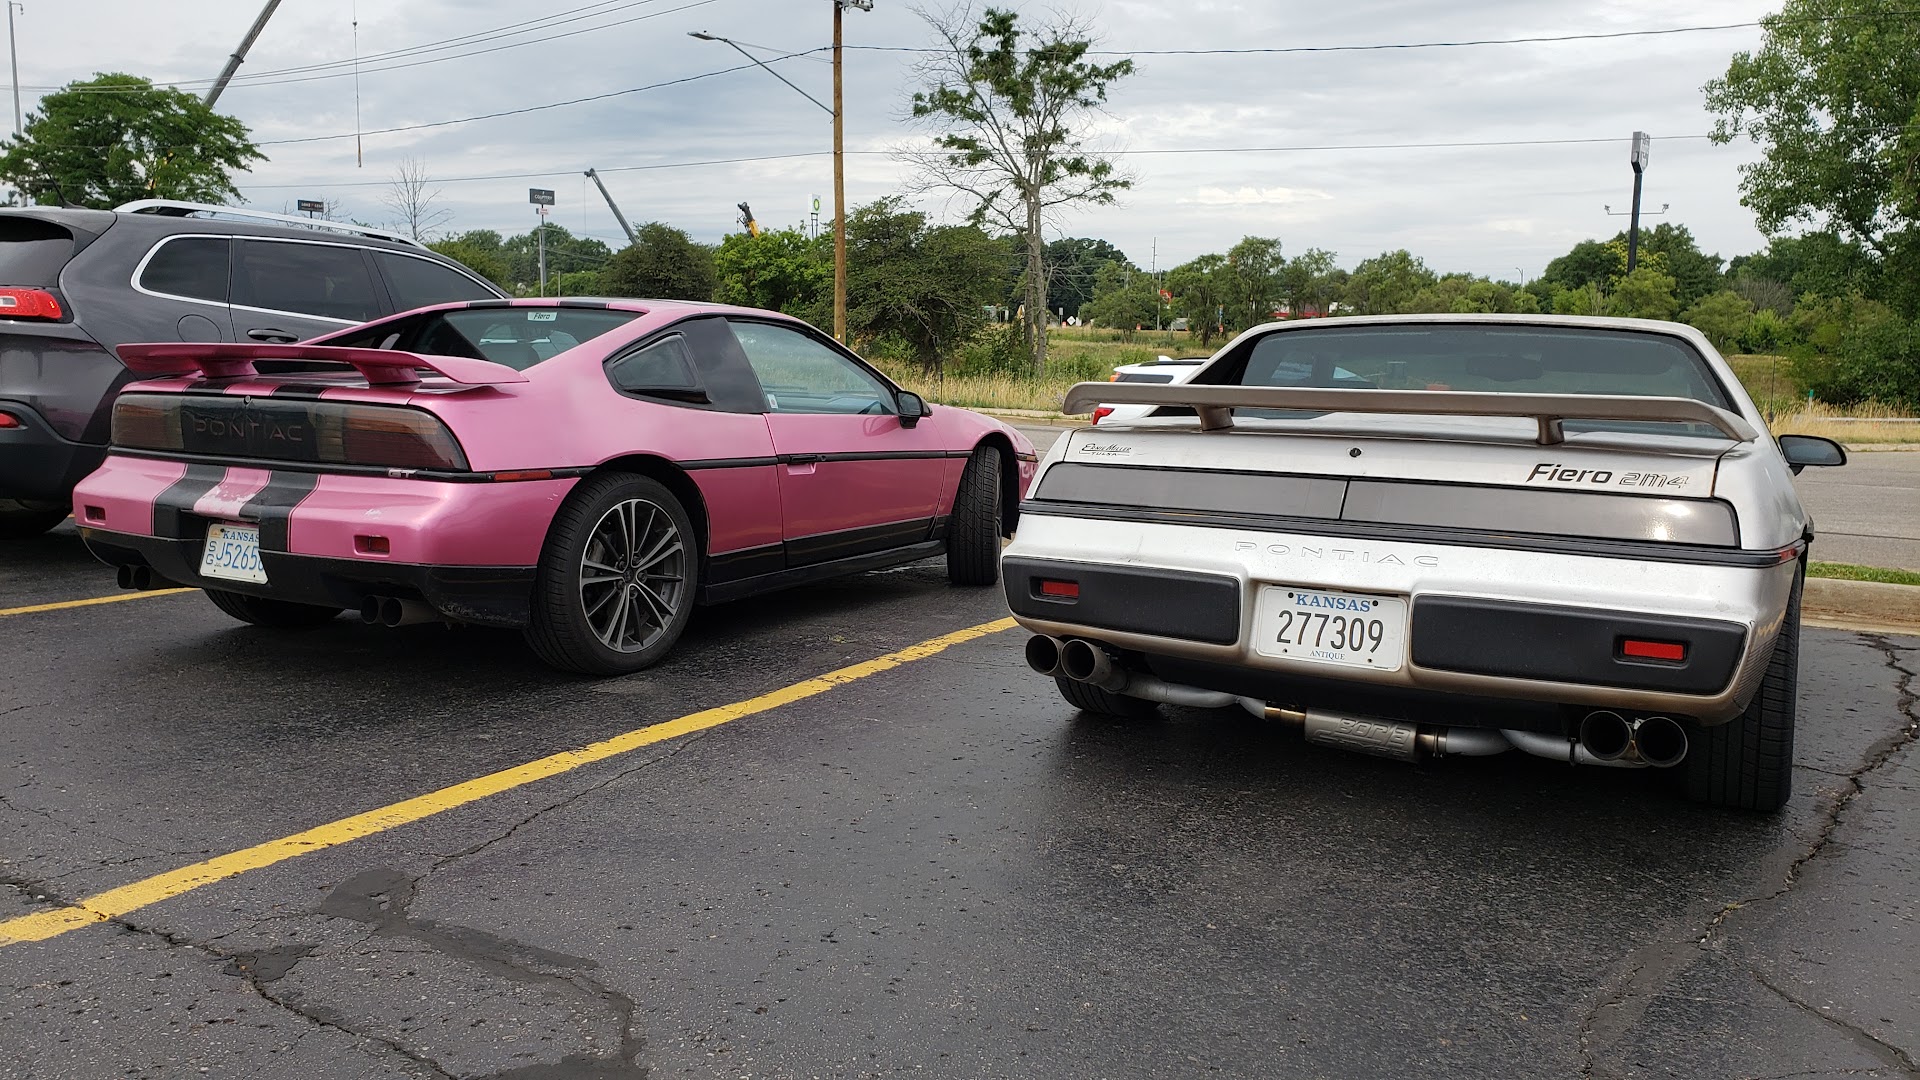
x=1215, y=405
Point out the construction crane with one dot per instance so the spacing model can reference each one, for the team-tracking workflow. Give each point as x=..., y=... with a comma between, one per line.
x=746, y=219
x=632, y=237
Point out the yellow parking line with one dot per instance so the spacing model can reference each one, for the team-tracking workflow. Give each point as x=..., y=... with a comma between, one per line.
x=35, y=609
x=129, y=898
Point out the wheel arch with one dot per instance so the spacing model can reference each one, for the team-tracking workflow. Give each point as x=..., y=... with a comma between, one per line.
x=674, y=479
x=1009, y=479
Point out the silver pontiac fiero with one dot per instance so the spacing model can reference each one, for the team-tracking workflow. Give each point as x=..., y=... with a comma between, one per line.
x=1440, y=534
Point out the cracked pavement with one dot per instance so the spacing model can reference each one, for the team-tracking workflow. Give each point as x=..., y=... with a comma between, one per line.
x=933, y=871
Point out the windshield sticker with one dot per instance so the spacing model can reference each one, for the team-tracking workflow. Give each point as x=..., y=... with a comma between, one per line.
x=543, y=316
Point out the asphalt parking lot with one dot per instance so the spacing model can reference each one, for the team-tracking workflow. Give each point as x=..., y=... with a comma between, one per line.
x=924, y=866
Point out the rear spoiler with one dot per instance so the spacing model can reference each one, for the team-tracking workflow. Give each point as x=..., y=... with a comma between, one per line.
x=1215, y=405
x=382, y=367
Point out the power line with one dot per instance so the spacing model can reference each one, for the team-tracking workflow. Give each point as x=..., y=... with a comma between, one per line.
x=561, y=172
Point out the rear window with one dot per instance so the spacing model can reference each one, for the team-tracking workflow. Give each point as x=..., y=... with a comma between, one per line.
x=1491, y=359
x=32, y=252
x=191, y=266
x=328, y=280
x=518, y=337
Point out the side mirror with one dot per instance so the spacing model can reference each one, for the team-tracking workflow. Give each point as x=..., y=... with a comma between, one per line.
x=1804, y=450
x=911, y=407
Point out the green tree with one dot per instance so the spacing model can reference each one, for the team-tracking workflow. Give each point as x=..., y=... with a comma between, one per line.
x=1200, y=289
x=922, y=285
x=664, y=264
x=1589, y=263
x=1312, y=282
x=1694, y=273
x=1011, y=111
x=1468, y=294
x=478, y=250
x=1254, y=281
x=1124, y=297
x=566, y=253
x=1386, y=284
x=1832, y=97
x=1072, y=266
x=1647, y=293
x=1723, y=317
x=1823, y=263
x=117, y=138
x=780, y=270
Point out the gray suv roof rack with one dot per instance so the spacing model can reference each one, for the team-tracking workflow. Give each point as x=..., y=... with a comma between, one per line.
x=177, y=208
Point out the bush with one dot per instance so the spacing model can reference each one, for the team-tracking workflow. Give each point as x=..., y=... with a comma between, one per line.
x=1857, y=350
x=1723, y=317
x=1767, y=332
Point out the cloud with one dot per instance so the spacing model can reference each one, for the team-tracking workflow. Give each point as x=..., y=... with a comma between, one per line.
x=1252, y=196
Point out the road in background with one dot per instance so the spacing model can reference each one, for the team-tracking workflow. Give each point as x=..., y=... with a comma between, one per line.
x=1867, y=512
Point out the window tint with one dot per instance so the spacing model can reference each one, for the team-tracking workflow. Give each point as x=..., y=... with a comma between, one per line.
x=518, y=337
x=305, y=279
x=190, y=266
x=801, y=375
x=416, y=282
x=33, y=252
x=665, y=365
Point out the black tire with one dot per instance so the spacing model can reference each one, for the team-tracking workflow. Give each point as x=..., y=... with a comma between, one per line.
x=617, y=578
x=275, y=614
x=22, y=521
x=1089, y=698
x=1747, y=763
x=973, y=530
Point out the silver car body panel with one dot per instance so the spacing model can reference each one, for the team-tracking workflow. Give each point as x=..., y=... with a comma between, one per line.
x=1486, y=466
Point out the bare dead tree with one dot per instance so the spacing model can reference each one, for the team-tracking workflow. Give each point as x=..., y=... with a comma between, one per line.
x=414, y=201
x=1009, y=108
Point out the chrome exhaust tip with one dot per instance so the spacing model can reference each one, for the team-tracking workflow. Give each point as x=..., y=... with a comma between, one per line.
x=1606, y=735
x=1043, y=654
x=1083, y=661
x=1660, y=742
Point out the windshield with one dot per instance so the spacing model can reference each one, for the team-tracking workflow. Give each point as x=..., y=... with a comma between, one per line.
x=518, y=337
x=1495, y=359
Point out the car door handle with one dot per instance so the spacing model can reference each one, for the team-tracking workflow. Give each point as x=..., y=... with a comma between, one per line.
x=269, y=334
x=805, y=459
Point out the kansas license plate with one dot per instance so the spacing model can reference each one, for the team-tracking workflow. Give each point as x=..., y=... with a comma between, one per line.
x=233, y=552
x=1322, y=627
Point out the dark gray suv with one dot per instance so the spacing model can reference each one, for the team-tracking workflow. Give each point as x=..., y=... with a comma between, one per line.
x=74, y=284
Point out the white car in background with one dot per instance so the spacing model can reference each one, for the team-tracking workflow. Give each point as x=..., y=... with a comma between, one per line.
x=1164, y=370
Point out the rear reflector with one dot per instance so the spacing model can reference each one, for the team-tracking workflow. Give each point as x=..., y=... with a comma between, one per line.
x=8, y=420
x=1652, y=650
x=372, y=545
x=1059, y=590
x=525, y=474
x=29, y=304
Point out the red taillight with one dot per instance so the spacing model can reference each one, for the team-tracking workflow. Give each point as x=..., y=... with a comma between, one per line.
x=1653, y=650
x=1058, y=590
x=1102, y=412
x=29, y=304
x=399, y=439
x=8, y=420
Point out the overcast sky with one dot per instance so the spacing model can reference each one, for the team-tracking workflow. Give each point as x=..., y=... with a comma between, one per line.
x=1500, y=211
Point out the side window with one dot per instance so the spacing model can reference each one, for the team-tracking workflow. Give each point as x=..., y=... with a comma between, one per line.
x=801, y=375
x=328, y=280
x=663, y=368
x=415, y=282
x=191, y=266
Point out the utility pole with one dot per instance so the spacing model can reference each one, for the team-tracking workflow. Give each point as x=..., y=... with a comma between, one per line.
x=13, y=51
x=240, y=54
x=632, y=237
x=1642, y=145
x=840, y=177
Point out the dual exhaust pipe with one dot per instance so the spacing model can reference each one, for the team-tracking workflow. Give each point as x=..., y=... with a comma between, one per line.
x=140, y=578
x=1605, y=738
x=393, y=611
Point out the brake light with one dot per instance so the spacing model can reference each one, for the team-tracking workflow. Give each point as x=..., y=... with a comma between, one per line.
x=146, y=423
x=398, y=438
x=29, y=304
x=8, y=420
x=1653, y=650
x=1059, y=590
x=1102, y=412
x=316, y=432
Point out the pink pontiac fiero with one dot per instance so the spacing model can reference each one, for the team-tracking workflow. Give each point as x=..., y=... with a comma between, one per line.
x=585, y=470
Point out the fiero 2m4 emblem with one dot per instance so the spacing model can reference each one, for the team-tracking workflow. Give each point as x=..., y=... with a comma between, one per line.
x=1333, y=554
x=1552, y=472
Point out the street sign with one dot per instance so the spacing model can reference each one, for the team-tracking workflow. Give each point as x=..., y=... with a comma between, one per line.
x=540, y=196
x=312, y=206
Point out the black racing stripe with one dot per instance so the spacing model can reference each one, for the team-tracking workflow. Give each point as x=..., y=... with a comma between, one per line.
x=303, y=391
x=172, y=506
x=273, y=507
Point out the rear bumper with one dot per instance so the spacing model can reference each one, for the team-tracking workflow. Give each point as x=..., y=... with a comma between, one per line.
x=1531, y=629
x=37, y=463
x=485, y=595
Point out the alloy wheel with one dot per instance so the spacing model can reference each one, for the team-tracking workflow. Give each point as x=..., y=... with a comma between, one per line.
x=632, y=575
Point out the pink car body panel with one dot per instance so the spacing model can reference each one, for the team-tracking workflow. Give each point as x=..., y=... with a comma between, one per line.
x=765, y=479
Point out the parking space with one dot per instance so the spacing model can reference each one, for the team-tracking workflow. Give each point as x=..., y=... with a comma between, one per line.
x=930, y=867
